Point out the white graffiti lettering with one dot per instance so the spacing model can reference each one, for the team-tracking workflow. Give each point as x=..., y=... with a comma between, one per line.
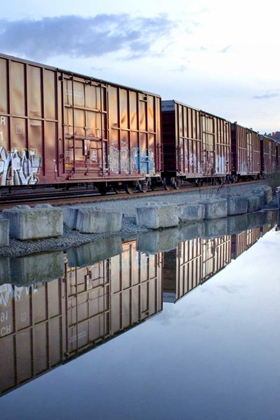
x=2, y=120
x=19, y=170
x=4, y=316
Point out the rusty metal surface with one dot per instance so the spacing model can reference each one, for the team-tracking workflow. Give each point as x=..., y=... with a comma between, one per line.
x=268, y=154
x=56, y=126
x=196, y=144
x=246, y=153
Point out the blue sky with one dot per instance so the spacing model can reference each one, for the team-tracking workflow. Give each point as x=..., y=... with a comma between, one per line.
x=214, y=55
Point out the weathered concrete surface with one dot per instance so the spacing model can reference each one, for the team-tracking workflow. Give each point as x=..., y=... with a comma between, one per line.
x=237, y=224
x=261, y=194
x=254, y=203
x=36, y=268
x=236, y=204
x=215, y=208
x=96, y=221
x=268, y=193
x=70, y=217
x=191, y=212
x=192, y=231
x=93, y=252
x=4, y=232
x=155, y=216
x=157, y=241
x=214, y=228
x=36, y=223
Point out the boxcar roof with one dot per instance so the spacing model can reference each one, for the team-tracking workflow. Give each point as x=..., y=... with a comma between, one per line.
x=69, y=72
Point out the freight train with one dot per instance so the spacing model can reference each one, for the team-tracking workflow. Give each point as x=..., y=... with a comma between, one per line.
x=61, y=128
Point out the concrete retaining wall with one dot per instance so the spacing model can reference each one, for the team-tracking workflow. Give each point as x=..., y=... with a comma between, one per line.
x=4, y=232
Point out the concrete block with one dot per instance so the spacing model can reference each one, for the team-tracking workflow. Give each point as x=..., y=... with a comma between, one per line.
x=96, y=221
x=37, y=268
x=4, y=232
x=236, y=204
x=237, y=224
x=261, y=194
x=214, y=228
x=191, y=212
x=70, y=217
x=215, y=208
x=267, y=193
x=157, y=241
x=5, y=274
x=93, y=252
x=155, y=216
x=254, y=203
x=189, y=232
x=36, y=223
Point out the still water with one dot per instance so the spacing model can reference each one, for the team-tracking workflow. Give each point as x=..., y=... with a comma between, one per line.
x=178, y=324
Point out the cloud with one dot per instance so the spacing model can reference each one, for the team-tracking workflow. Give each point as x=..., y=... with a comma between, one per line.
x=80, y=37
x=266, y=96
x=228, y=48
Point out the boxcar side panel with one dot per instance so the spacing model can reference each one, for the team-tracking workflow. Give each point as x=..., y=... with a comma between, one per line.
x=28, y=123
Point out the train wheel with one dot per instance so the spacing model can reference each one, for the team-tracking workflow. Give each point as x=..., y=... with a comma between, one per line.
x=143, y=186
x=129, y=188
x=175, y=182
x=118, y=188
x=166, y=184
x=102, y=189
x=199, y=182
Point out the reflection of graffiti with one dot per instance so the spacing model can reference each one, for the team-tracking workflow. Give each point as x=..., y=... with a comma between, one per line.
x=19, y=170
x=9, y=292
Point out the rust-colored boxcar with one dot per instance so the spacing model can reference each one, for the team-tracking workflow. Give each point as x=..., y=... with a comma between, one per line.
x=196, y=144
x=269, y=154
x=58, y=127
x=246, y=153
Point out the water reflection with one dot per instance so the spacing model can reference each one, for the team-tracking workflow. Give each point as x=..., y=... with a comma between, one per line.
x=56, y=306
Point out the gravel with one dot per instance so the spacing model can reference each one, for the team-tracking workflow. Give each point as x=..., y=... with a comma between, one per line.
x=129, y=228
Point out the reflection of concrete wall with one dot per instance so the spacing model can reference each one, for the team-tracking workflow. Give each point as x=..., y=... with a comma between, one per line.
x=93, y=252
x=37, y=268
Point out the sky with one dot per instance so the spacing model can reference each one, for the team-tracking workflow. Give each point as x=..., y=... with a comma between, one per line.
x=218, y=56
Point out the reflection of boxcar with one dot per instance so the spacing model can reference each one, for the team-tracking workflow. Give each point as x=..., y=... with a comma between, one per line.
x=196, y=144
x=192, y=263
x=240, y=242
x=32, y=329
x=59, y=127
x=111, y=296
x=246, y=153
x=47, y=324
x=269, y=154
